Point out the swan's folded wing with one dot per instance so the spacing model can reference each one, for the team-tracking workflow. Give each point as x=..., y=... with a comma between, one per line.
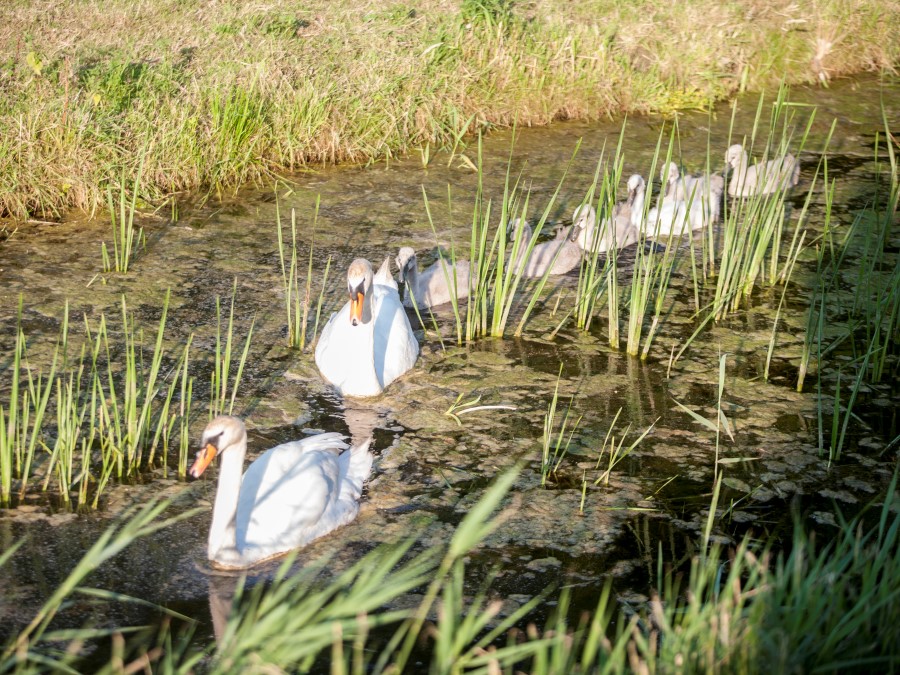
x=396, y=347
x=285, y=493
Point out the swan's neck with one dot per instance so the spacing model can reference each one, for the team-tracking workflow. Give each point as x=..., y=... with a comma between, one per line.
x=740, y=169
x=412, y=279
x=222, y=532
x=637, y=208
x=367, y=305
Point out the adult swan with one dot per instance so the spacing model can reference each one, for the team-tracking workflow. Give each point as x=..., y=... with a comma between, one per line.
x=369, y=343
x=292, y=494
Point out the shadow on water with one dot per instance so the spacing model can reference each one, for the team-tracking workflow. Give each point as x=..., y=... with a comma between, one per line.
x=430, y=469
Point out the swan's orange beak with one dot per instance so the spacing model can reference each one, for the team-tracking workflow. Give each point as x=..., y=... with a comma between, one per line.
x=204, y=457
x=356, y=307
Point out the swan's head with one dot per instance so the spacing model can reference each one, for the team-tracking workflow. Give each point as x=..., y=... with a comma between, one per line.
x=518, y=227
x=669, y=173
x=583, y=218
x=359, y=281
x=406, y=259
x=735, y=155
x=636, y=183
x=220, y=434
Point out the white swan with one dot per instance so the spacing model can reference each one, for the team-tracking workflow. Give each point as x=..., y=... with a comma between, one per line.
x=369, y=342
x=291, y=494
x=617, y=232
x=760, y=179
x=430, y=287
x=543, y=256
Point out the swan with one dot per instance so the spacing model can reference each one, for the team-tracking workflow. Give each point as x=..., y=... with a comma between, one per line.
x=700, y=195
x=617, y=232
x=760, y=179
x=662, y=221
x=559, y=256
x=369, y=342
x=291, y=494
x=435, y=285
x=707, y=189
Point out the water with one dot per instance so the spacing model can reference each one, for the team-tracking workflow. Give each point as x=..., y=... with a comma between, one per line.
x=429, y=470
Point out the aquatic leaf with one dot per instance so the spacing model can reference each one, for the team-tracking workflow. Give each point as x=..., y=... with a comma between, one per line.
x=736, y=483
x=705, y=422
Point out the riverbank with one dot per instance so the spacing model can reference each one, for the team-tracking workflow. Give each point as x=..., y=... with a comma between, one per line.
x=211, y=96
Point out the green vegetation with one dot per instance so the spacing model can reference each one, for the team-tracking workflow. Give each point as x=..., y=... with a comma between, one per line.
x=864, y=324
x=117, y=408
x=297, y=303
x=819, y=607
x=212, y=99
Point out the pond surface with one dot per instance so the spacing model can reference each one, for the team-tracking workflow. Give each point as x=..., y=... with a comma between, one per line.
x=429, y=470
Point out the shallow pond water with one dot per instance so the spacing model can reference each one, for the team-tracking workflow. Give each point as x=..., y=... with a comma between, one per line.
x=429, y=470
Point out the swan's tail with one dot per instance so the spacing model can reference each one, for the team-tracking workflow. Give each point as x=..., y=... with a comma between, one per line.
x=357, y=469
x=384, y=276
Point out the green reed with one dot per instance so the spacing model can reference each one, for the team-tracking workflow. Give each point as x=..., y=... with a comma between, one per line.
x=616, y=453
x=698, y=616
x=21, y=424
x=494, y=281
x=297, y=301
x=863, y=325
x=596, y=278
x=105, y=411
x=753, y=227
x=556, y=445
x=121, y=215
x=653, y=266
x=220, y=402
x=448, y=268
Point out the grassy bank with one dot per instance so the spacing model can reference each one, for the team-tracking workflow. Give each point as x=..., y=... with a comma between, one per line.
x=215, y=95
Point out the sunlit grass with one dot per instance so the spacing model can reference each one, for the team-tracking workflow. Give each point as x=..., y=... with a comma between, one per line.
x=241, y=100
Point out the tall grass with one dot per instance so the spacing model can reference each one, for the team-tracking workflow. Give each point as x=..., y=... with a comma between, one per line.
x=213, y=115
x=297, y=301
x=124, y=236
x=105, y=409
x=494, y=281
